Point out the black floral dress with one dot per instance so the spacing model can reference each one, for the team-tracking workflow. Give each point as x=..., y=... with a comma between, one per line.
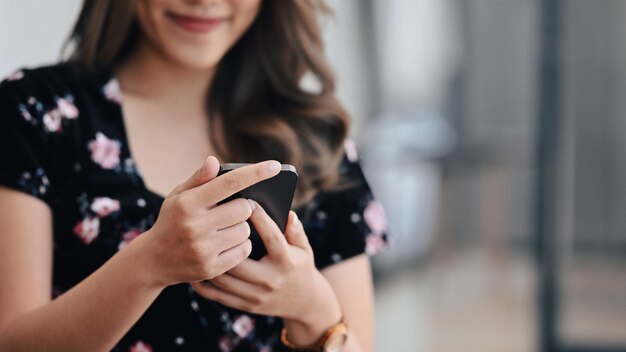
x=62, y=140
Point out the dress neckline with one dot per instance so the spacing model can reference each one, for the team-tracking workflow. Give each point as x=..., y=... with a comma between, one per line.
x=111, y=78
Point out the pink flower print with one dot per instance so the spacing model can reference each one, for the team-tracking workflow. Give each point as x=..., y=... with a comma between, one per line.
x=87, y=229
x=375, y=218
x=266, y=349
x=67, y=109
x=112, y=91
x=105, y=152
x=105, y=206
x=243, y=325
x=374, y=243
x=227, y=344
x=19, y=74
x=52, y=120
x=140, y=346
x=25, y=114
x=128, y=237
x=351, y=151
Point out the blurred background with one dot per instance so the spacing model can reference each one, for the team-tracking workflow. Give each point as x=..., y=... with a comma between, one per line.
x=494, y=133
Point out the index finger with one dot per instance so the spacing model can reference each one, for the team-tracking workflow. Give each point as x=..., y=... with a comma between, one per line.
x=232, y=182
x=253, y=271
x=270, y=234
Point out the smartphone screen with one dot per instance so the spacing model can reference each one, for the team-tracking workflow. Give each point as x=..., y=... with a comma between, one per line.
x=275, y=195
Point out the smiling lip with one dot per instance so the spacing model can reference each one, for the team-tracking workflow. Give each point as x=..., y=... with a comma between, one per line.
x=196, y=24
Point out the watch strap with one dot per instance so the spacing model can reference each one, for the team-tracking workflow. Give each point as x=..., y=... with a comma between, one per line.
x=340, y=328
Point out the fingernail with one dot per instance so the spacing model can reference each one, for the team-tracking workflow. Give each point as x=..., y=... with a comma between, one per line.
x=252, y=204
x=295, y=219
x=273, y=166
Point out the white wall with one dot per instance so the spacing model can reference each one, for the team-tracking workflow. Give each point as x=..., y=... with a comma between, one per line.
x=32, y=32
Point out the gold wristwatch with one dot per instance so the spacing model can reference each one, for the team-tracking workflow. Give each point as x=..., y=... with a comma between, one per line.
x=333, y=340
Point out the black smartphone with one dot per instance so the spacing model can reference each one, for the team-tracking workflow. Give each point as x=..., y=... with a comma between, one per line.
x=274, y=195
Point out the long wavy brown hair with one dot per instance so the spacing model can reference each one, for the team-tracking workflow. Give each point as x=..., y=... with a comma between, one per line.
x=257, y=90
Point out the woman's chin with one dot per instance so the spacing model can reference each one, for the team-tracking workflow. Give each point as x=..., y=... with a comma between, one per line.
x=197, y=60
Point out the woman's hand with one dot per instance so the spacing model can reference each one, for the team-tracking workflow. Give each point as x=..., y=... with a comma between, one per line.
x=284, y=283
x=193, y=239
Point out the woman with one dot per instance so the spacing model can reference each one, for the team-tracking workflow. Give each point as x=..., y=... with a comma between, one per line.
x=158, y=85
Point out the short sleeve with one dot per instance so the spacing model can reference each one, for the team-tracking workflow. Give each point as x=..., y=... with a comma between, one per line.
x=347, y=222
x=30, y=129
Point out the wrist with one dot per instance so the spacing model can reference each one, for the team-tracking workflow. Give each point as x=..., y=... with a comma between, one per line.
x=145, y=261
x=334, y=339
x=323, y=312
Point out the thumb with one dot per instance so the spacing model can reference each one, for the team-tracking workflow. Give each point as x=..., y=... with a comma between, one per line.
x=207, y=172
x=294, y=233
